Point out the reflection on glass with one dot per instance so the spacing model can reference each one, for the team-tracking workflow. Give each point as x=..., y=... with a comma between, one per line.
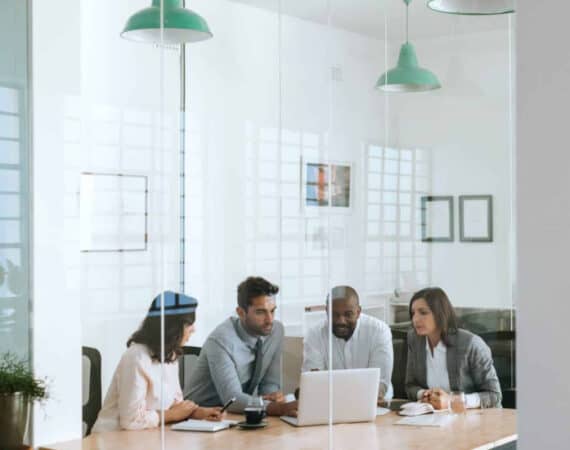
x=113, y=212
x=14, y=196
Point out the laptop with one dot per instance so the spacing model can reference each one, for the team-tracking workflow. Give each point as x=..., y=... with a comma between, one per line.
x=354, y=396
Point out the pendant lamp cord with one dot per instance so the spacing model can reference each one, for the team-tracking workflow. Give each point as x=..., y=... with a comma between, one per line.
x=407, y=21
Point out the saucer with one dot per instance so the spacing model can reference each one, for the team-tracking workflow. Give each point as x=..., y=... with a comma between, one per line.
x=250, y=426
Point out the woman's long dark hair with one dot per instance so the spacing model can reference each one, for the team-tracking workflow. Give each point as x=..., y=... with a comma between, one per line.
x=441, y=308
x=149, y=334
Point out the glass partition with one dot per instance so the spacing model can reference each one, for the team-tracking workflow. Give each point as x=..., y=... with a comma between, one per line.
x=453, y=159
x=15, y=198
x=128, y=178
x=309, y=176
x=287, y=149
x=431, y=201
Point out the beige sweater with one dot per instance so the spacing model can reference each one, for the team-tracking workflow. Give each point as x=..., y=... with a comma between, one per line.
x=134, y=396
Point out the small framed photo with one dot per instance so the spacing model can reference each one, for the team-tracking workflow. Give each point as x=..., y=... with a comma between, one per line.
x=317, y=184
x=476, y=218
x=326, y=184
x=437, y=219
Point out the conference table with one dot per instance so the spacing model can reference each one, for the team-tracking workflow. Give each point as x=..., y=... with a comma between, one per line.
x=476, y=430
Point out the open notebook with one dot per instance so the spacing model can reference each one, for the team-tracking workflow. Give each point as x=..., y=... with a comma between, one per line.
x=422, y=414
x=434, y=420
x=203, y=425
x=416, y=409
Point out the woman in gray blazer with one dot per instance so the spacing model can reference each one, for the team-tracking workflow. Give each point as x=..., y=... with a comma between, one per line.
x=444, y=358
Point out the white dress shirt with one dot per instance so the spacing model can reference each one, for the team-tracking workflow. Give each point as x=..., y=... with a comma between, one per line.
x=438, y=377
x=369, y=346
x=134, y=396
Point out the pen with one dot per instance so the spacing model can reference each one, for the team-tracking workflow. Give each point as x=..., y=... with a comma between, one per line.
x=228, y=403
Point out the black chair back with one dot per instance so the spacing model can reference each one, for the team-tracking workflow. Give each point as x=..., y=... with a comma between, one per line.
x=503, y=348
x=91, y=384
x=185, y=363
x=400, y=346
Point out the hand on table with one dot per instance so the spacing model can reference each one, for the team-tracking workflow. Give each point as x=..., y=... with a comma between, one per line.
x=380, y=401
x=275, y=397
x=290, y=409
x=381, y=394
x=213, y=414
x=439, y=399
x=180, y=411
x=282, y=409
x=426, y=394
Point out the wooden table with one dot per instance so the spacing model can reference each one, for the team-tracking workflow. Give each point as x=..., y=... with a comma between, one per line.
x=477, y=430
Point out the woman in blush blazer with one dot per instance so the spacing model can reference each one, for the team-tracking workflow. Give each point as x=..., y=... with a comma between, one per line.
x=142, y=387
x=444, y=358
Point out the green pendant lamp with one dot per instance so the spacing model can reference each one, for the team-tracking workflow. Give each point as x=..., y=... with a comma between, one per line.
x=180, y=24
x=473, y=7
x=407, y=76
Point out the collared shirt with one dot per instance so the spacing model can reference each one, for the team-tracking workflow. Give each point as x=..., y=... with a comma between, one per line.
x=438, y=376
x=226, y=364
x=436, y=365
x=369, y=346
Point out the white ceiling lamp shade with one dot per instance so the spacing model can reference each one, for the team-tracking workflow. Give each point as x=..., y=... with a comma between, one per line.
x=473, y=7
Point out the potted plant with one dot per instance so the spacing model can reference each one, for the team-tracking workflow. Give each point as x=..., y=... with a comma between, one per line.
x=18, y=389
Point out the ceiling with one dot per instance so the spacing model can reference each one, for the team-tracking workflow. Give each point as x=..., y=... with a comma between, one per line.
x=368, y=17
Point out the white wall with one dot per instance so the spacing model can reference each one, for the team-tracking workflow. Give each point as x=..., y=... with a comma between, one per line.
x=240, y=225
x=543, y=220
x=248, y=220
x=125, y=95
x=101, y=104
x=56, y=325
x=466, y=127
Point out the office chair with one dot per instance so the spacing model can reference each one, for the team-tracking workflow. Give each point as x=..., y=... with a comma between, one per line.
x=400, y=346
x=185, y=365
x=91, y=387
x=503, y=349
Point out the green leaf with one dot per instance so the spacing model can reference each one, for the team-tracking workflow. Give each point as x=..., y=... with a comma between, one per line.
x=16, y=376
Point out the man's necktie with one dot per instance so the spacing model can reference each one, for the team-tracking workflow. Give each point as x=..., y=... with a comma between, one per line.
x=256, y=377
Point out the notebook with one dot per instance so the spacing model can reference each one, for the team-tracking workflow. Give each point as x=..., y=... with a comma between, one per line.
x=203, y=425
x=433, y=420
x=416, y=409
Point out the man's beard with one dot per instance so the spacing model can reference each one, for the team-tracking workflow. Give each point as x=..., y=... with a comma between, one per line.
x=342, y=331
x=258, y=330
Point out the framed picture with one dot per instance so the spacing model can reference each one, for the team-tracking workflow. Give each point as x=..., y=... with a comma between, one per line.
x=476, y=218
x=113, y=212
x=437, y=219
x=317, y=184
x=326, y=184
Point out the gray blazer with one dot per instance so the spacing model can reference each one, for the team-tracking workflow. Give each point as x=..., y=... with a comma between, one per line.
x=469, y=365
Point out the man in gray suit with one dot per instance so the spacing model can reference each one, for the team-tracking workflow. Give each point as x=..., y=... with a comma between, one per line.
x=242, y=356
